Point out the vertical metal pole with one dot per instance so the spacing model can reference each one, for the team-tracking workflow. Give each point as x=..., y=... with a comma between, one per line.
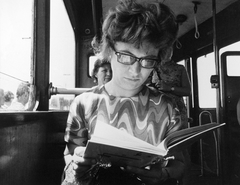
x=96, y=23
x=95, y=26
x=216, y=54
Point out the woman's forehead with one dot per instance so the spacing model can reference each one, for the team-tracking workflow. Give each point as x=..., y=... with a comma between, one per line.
x=146, y=49
x=106, y=65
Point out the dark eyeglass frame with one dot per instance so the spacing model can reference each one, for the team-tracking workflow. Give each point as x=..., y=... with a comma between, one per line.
x=136, y=59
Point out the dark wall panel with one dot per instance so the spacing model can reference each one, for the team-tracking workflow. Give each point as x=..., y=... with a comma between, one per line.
x=31, y=148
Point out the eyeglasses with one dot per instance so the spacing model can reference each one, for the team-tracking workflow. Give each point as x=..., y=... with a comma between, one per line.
x=128, y=59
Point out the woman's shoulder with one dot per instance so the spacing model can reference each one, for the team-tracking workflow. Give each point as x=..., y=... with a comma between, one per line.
x=91, y=94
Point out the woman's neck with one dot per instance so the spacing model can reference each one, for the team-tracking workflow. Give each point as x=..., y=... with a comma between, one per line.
x=117, y=91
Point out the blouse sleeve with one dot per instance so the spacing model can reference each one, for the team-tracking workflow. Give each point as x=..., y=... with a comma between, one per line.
x=174, y=116
x=76, y=133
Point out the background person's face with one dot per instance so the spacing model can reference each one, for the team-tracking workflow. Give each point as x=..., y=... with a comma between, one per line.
x=26, y=98
x=104, y=74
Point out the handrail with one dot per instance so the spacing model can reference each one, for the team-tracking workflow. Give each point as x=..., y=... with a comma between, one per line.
x=200, y=116
x=57, y=90
x=216, y=143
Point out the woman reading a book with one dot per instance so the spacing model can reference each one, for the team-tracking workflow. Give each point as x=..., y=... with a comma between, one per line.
x=134, y=35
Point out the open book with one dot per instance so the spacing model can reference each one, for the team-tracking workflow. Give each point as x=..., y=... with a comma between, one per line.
x=121, y=148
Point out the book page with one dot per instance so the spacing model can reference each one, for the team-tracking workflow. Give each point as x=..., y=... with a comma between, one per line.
x=121, y=148
x=183, y=138
x=110, y=135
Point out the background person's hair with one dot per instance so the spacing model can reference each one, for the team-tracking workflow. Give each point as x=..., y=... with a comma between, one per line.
x=22, y=88
x=8, y=96
x=135, y=23
x=166, y=55
x=98, y=63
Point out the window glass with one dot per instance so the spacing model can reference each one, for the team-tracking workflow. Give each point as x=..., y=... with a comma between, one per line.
x=182, y=62
x=233, y=62
x=62, y=55
x=205, y=69
x=233, y=65
x=16, y=23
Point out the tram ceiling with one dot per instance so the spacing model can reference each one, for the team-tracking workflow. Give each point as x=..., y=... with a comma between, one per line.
x=195, y=12
x=185, y=8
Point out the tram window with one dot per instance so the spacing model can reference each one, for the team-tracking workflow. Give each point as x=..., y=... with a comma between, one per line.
x=233, y=65
x=16, y=30
x=233, y=62
x=62, y=55
x=205, y=69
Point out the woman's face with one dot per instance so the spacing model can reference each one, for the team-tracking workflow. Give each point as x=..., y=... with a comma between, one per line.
x=25, y=98
x=104, y=74
x=129, y=79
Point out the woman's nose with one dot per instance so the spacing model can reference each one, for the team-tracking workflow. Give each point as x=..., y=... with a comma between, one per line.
x=108, y=73
x=135, y=68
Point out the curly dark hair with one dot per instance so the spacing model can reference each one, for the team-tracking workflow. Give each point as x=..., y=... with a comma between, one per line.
x=135, y=23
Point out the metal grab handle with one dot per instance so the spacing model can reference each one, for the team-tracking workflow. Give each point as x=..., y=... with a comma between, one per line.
x=197, y=34
x=200, y=116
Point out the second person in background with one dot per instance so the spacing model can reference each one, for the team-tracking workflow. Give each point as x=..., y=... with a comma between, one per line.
x=102, y=72
x=173, y=79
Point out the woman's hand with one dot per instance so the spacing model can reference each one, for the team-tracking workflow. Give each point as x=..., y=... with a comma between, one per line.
x=78, y=167
x=152, y=175
x=163, y=86
x=81, y=164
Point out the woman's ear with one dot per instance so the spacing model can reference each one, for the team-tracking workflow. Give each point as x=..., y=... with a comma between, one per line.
x=95, y=78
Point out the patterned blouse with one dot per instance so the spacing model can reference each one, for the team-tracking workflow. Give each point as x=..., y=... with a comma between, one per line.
x=149, y=116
